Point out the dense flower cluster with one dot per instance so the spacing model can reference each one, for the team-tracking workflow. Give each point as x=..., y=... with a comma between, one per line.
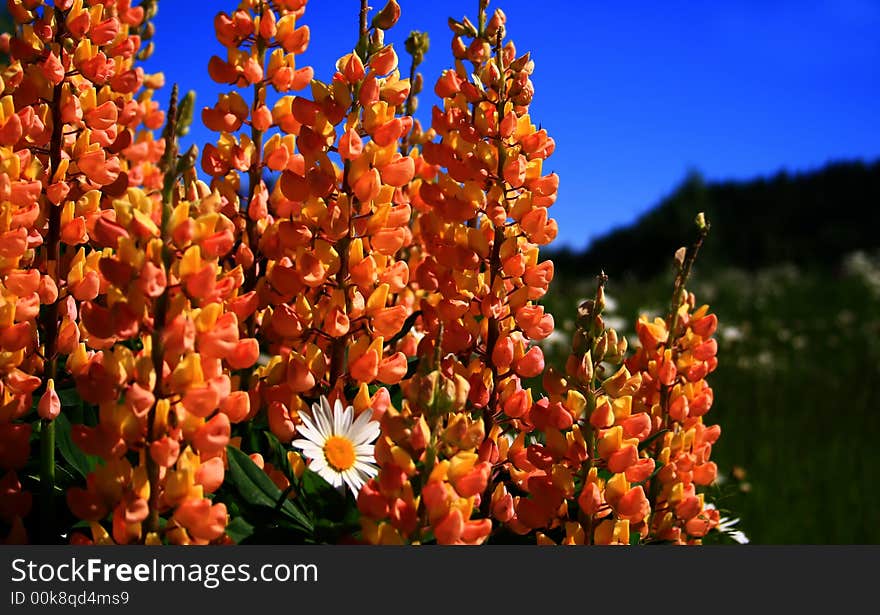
x=346, y=300
x=480, y=222
x=626, y=452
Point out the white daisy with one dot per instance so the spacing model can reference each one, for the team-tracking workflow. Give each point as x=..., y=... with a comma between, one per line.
x=726, y=525
x=339, y=446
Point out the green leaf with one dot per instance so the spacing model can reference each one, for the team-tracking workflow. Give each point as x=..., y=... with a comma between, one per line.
x=653, y=474
x=605, y=474
x=314, y=485
x=396, y=395
x=64, y=476
x=279, y=454
x=258, y=489
x=646, y=443
x=408, y=324
x=69, y=397
x=72, y=454
x=335, y=512
x=412, y=366
x=328, y=498
x=239, y=530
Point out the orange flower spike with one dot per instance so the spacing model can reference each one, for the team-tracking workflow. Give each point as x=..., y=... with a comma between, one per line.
x=359, y=189
x=675, y=357
x=83, y=95
x=486, y=268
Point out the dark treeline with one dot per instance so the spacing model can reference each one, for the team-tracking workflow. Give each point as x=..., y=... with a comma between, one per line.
x=808, y=219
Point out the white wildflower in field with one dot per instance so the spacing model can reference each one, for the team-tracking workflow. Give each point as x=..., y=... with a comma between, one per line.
x=730, y=333
x=556, y=339
x=615, y=322
x=611, y=304
x=727, y=526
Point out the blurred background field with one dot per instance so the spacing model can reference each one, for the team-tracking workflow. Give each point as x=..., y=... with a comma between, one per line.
x=799, y=339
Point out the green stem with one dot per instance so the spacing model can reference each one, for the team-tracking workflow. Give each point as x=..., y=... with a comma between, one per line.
x=408, y=110
x=251, y=276
x=363, y=32
x=340, y=344
x=495, y=257
x=681, y=279
x=683, y=275
x=48, y=321
x=169, y=168
x=254, y=177
x=47, y=481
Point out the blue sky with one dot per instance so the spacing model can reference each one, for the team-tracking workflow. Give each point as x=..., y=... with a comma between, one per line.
x=634, y=93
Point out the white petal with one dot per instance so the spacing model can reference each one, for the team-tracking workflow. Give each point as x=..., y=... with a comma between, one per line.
x=319, y=464
x=324, y=421
x=364, y=450
x=366, y=433
x=337, y=418
x=740, y=537
x=325, y=406
x=357, y=477
x=309, y=448
x=366, y=468
x=351, y=480
x=347, y=417
x=331, y=476
x=362, y=420
x=312, y=429
x=311, y=435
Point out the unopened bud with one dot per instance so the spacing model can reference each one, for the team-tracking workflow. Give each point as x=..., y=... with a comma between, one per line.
x=457, y=27
x=469, y=28
x=679, y=257
x=601, y=347
x=521, y=62
x=579, y=342
x=585, y=308
x=459, y=49
x=188, y=160
x=150, y=8
x=612, y=353
x=388, y=16
x=185, y=113
x=416, y=44
x=146, y=52
x=587, y=367
x=49, y=405
x=498, y=19
x=377, y=40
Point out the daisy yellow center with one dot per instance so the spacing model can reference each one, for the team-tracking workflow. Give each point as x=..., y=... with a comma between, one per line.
x=339, y=452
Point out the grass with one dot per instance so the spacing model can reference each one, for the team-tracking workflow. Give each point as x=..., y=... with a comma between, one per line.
x=795, y=393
